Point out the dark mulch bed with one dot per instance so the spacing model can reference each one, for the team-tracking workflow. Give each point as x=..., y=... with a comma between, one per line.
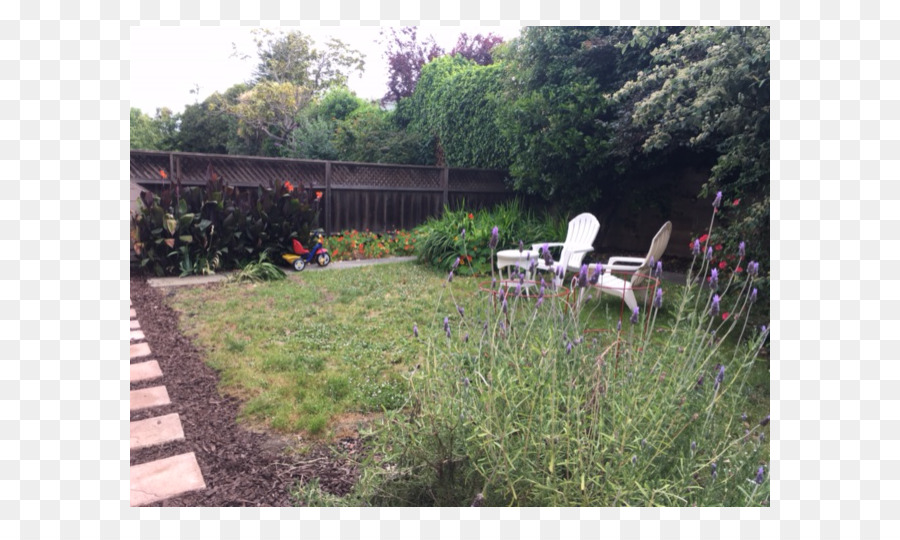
x=240, y=467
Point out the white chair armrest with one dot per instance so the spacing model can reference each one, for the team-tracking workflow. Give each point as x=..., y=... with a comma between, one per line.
x=624, y=264
x=581, y=249
x=537, y=247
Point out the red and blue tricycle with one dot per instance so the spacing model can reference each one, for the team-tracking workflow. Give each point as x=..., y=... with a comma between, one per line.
x=302, y=256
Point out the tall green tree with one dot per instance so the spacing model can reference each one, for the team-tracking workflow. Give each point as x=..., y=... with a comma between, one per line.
x=708, y=89
x=294, y=58
x=157, y=133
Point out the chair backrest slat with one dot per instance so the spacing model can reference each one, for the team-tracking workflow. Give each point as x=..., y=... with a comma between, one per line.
x=657, y=248
x=582, y=231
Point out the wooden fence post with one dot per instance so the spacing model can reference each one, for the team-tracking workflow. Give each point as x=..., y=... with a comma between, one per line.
x=328, y=204
x=445, y=184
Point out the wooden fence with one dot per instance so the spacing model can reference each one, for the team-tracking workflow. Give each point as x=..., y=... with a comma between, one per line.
x=377, y=197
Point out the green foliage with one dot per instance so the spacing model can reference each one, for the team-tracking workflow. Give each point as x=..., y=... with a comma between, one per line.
x=199, y=230
x=312, y=139
x=157, y=133
x=354, y=245
x=370, y=135
x=257, y=271
x=708, y=90
x=439, y=241
x=455, y=103
x=536, y=408
x=293, y=57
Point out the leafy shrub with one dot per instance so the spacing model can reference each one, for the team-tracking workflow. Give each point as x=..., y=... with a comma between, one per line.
x=441, y=240
x=261, y=270
x=199, y=230
x=517, y=403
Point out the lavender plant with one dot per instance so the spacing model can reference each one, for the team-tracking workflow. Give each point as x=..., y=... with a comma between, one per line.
x=512, y=405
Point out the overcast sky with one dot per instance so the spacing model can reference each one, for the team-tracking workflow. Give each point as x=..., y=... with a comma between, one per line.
x=167, y=62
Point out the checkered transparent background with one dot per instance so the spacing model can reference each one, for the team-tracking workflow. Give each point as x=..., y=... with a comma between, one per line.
x=63, y=261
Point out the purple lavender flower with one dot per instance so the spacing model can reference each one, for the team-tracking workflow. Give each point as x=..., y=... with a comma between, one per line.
x=461, y=310
x=560, y=271
x=696, y=249
x=693, y=446
x=415, y=330
x=759, y=475
x=450, y=277
x=543, y=283
x=466, y=379
x=447, y=324
x=619, y=326
x=742, y=249
x=658, y=268
x=657, y=303
x=495, y=238
x=720, y=377
x=504, y=305
x=753, y=295
x=595, y=277
x=743, y=417
x=764, y=421
x=718, y=200
x=763, y=329
x=463, y=234
x=762, y=437
x=643, y=444
x=651, y=262
x=634, y=459
x=540, y=301
x=518, y=291
x=545, y=254
x=714, y=309
x=583, y=277
x=521, y=246
x=714, y=469
x=709, y=253
x=700, y=381
x=493, y=283
x=466, y=338
x=531, y=264
x=752, y=268
x=713, y=279
x=569, y=348
x=634, y=316
x=455, y=264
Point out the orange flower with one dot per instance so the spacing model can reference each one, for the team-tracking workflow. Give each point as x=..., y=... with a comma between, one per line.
x=318, y=195
x=471, y=216
x=162, y=172
x=288, y=186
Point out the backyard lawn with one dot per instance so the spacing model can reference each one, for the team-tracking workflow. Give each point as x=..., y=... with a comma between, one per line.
x=324, y=349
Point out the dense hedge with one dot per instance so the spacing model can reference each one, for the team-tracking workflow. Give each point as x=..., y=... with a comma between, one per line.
x=199, y=230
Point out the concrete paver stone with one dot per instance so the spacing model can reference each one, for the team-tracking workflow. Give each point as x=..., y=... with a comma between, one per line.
x=149, y=397
x=140, y=349
x=144, y=371
x=165, y=478
x=151, y=431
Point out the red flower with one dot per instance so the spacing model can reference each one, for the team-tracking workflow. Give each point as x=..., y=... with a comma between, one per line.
x=718, y=247
x=736, y=202
x=704, y=238
x=722, y=265
x=288, y=186
x=725, y=316
x=738, y=270
x=471, y=216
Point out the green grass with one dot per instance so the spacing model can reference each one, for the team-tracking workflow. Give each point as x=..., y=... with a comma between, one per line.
x=306, y=351
x=303, y=351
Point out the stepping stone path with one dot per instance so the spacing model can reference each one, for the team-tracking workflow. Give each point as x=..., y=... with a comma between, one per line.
x=167, y=477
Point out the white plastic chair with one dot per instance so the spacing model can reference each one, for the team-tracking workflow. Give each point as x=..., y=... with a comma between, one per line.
x=579, y=240
x=639, y=267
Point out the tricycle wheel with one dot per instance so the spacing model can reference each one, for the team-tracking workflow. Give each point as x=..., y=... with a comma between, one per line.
x=300, y=264
x=323, y=259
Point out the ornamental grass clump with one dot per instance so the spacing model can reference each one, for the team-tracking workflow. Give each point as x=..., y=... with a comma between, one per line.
x=530, y=412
